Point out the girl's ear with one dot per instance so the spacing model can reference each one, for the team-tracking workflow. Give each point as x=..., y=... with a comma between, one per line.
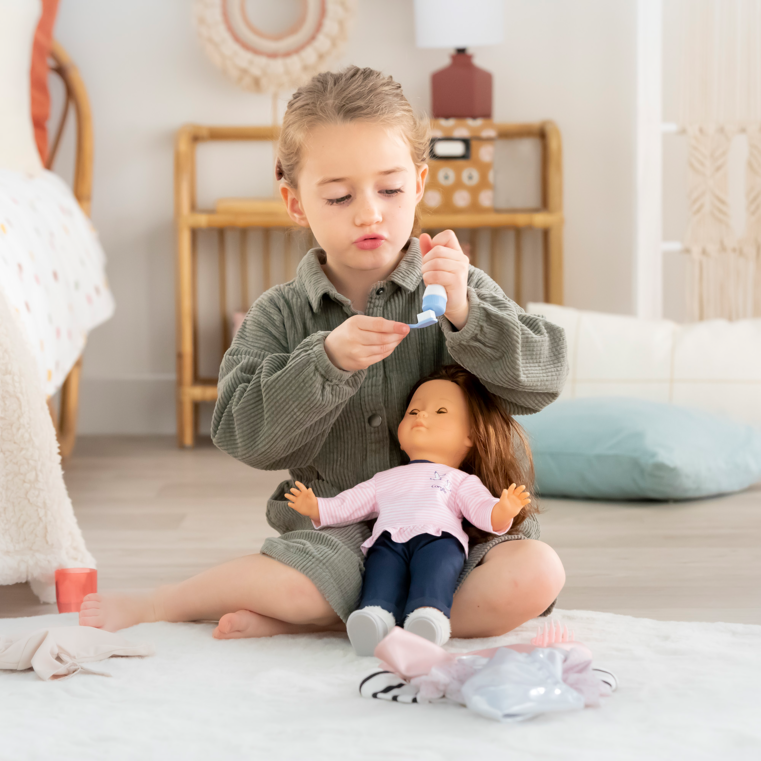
x=293, y=206
x=420, y=183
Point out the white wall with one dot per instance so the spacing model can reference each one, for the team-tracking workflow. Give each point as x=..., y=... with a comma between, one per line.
x=572, y=61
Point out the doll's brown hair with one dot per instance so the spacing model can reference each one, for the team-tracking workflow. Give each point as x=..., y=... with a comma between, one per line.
x=496, y=456
x=350, y=95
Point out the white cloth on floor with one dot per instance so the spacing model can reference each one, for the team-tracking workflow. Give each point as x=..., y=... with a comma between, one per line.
x=508, y=686
x=59, y=652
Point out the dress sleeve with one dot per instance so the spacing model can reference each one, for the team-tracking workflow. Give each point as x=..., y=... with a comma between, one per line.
x=351, y=506
x=519, y=357
x=475, y=502
x=275, y=407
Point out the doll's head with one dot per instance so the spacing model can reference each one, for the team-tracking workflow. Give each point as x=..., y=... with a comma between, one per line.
x=451, y=414
x=351, y=161
x=436, y=425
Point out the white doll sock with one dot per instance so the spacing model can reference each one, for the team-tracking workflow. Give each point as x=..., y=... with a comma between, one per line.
x=367, y=626
x=429, y=623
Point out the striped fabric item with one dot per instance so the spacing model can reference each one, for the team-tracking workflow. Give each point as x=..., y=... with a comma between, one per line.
x=420, y=498
x=383, y=685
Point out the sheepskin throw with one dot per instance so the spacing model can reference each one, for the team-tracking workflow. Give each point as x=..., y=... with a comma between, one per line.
x=38, y=530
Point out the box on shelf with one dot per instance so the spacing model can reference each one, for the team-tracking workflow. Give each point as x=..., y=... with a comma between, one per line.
x=461, y=166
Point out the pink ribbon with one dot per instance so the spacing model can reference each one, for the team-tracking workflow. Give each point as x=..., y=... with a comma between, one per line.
x=409, y=656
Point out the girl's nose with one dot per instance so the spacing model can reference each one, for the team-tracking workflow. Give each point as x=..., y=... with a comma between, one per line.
x=368, y=212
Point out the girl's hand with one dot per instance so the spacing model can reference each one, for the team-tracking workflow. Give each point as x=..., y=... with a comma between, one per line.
x=445, y=263
x=512, y=501
x=362, y=341
x=303, y=501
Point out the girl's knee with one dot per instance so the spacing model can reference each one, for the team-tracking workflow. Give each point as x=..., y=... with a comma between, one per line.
x=533, y=568
x=547, y=570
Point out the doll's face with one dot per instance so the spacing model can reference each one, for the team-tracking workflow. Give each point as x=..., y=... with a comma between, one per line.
x=436, y=425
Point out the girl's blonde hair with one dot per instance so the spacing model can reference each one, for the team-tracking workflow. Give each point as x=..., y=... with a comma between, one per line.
x=349, y=95
x=500, y=454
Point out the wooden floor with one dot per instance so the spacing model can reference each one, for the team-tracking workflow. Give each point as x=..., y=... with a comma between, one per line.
x=152, y=514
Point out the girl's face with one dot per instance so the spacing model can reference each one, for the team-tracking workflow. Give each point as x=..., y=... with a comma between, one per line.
x=436, y=425
x=356, y=181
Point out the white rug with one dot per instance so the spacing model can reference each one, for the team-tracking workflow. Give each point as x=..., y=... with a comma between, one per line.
x=687, y=690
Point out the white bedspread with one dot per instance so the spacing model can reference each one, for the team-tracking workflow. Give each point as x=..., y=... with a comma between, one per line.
x=52, y=270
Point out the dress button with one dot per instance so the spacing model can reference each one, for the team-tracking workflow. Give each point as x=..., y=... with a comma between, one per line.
x=375, y=420
x=380, y=291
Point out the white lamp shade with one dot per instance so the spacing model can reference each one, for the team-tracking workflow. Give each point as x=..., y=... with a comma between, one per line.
x=458, y=23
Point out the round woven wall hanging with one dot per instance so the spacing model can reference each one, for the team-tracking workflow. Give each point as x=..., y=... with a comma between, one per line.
x=264, y=62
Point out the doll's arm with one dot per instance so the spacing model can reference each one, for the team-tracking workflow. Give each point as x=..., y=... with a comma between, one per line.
x=479, y=506
x=512, y=501
x=350, y=506
x=303, y=501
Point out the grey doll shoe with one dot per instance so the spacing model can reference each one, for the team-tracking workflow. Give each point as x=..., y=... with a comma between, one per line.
x=429, y=623
x=366, y=627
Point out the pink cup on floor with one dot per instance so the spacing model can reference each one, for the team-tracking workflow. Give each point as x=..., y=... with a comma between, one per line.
x=71, y=586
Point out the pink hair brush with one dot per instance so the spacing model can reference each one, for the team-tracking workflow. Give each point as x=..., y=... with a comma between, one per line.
x=552, y=634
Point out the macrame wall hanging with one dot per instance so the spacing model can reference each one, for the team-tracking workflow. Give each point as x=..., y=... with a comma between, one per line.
x=263, y=62
x=720, y=97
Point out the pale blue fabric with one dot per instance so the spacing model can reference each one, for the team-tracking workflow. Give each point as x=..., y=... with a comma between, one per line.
x=623, y=448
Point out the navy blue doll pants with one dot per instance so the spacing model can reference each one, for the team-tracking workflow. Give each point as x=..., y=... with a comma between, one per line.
x=421, y=573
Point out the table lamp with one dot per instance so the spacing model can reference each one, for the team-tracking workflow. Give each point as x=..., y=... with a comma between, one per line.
x=461, y=89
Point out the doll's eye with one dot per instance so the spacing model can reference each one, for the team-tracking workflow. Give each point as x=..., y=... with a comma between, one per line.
x=413, y=412
x=441, y=410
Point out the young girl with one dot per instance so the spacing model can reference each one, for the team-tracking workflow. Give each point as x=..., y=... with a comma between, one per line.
x=317, y=377
x=458, y=439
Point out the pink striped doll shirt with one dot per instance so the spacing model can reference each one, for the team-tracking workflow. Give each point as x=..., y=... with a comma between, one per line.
x=420, y=498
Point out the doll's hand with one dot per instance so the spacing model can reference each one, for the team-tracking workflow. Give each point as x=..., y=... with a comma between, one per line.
x=303, y=501
x=512, y=501
x=445, y=263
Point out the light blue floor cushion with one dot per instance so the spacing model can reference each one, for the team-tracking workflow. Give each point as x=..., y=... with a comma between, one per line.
x=623, y=448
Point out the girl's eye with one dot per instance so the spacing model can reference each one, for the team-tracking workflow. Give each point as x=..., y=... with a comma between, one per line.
x=344, y=199
x=440, y=410
x=334, y=201
x=413, y=412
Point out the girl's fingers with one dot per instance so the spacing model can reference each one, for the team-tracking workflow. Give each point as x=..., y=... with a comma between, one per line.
x=381, y=339
x=300, y=485
x=446, y=238
x=437, y=277
x=453, y=263
x=379, y=325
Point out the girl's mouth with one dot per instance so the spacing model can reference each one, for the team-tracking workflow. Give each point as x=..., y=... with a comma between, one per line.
x=369, y=242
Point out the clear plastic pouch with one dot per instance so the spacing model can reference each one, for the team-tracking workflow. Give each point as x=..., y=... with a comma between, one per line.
x=518, y=686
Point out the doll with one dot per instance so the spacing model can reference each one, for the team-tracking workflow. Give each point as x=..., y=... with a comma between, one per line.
x=454, y=430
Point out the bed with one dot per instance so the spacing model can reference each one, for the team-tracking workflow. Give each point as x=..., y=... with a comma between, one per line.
x=52, y=267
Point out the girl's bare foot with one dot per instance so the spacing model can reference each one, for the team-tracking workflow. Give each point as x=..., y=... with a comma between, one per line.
x=246, y=623
x=116, y=611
